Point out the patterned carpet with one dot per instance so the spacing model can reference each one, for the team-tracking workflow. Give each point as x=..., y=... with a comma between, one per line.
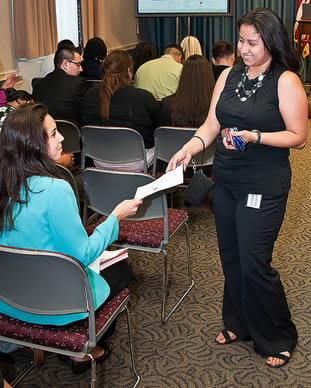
x=183, y=352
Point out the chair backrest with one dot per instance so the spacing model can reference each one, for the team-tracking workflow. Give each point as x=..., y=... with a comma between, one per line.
x=104, y=189
x=113, y=145
x=71, y=133
x=93, y=82
x=169, y=140
x=66, y=174
x=37, y=282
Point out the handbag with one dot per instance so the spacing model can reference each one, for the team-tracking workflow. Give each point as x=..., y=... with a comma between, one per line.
x=199, y=186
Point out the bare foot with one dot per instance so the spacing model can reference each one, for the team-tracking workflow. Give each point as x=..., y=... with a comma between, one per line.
x=274, y=361
x=222, y=340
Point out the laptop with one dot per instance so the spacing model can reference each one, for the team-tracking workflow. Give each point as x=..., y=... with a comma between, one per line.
x=306, y=11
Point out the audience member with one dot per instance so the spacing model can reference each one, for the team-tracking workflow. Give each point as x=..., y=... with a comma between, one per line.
x=190, y=45
x=8, y=83
x=38, y=210
x=188, y=107
x=160, y=76
x=223, y=57
x=143, y=53
x=47, y=64
x=116, y=102
x=14, y=99
x=62, y=90
x=94, y=53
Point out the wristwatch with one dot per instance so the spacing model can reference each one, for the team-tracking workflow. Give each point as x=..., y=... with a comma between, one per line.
x=258, y=136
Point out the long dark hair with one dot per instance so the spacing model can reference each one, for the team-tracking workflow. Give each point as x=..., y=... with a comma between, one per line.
x=24, y=153
x=115, y=76
x=190, y=104
x=274, y=36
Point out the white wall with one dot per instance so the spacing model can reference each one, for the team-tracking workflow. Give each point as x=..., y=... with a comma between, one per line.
x=119, y=33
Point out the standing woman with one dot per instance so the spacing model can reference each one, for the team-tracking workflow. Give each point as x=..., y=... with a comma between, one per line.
x=264, y=99
x=38, y=210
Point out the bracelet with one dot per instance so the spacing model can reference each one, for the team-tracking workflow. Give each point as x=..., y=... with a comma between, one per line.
x=199, y=137
x=258, y=136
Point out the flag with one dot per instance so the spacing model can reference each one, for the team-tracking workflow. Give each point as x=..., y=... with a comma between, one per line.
x=305, y=46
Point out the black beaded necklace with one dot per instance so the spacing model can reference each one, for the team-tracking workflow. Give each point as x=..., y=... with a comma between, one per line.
x=241, y=85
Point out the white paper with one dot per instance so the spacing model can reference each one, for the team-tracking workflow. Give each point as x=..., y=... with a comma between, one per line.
x=108, y=258
x=170, y=179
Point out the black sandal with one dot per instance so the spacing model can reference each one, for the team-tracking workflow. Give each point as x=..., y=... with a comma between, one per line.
x=227, y=337
x=280, y=356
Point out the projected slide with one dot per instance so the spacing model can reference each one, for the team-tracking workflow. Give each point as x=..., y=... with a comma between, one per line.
x=182, y=6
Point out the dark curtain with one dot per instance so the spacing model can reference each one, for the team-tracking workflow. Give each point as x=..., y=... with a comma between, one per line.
x=162, y=30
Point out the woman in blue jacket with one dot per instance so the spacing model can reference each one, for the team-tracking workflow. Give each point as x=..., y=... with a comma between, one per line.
x=38, y=209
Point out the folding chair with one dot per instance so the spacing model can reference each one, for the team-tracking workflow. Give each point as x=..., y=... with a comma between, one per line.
x=93, y=82
x=37, y=282
x=112, y=145
x=71, y=133
x=169, y=140
x=149, y=230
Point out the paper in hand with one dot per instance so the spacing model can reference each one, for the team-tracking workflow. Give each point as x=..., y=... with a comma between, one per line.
x=170, y=179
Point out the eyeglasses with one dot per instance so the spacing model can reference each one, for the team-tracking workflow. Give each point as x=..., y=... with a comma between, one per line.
x=76, y=63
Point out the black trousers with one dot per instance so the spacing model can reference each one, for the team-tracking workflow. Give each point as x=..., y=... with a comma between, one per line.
x=254, y=303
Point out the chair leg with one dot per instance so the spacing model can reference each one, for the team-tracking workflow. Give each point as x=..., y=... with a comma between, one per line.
x=38, y=357
x=93, y=371
x=164, y=318
x=131, y=346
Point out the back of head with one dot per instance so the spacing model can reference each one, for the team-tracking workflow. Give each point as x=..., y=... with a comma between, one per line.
x=143, y=52
x=65, y=43
x=221, y=49
x=64, y=53
x=274, y=35
x=194, y=93
x=190, y=46
x=117, y=71
x=95, y=49
x=175, y=50
x=24, y=153
x=14, y=95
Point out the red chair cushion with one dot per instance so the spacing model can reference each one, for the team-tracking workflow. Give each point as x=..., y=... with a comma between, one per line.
x=147, y=233
x=69, y=337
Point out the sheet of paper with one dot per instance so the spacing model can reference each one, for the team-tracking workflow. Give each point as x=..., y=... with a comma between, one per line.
x=170, y=179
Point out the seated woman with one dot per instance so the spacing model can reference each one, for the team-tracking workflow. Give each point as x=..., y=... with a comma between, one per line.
x=14, y=99
x=117, y=103
x=143, y=53
x=38, y=210
x=93, y=55
x=188, y=107
x=191, y=45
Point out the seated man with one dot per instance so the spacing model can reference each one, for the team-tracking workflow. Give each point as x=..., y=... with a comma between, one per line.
x=223, y=57
x=62, y=90
x=47, y=64
x=160, y=76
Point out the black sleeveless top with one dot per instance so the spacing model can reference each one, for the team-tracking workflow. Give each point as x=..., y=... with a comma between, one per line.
x=260, y=169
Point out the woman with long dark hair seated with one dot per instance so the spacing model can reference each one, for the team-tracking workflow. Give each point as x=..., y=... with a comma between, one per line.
x=188, y=107
x=38, y=210
x=117, y=103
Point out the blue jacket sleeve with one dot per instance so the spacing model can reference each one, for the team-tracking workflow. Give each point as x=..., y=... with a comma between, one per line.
x=70, y=235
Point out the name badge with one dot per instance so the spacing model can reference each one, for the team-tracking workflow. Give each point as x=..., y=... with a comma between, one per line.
x=254, y=201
